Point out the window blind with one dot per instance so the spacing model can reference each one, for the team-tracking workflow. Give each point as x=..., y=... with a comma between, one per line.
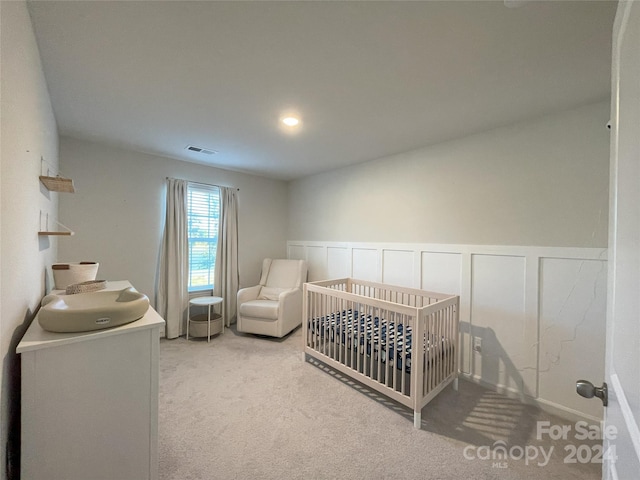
x=203, y=215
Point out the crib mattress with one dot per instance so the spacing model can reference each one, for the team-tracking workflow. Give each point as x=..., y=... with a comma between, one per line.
x=375, y=336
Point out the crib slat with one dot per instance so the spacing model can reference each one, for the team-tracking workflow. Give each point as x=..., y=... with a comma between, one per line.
x=453, y=344
x=326, y=313
x=336, y=331
x=448, y=344
x=389, y=364
x=381, y=314
x=331, y=340
x=443, y=347
x=427, y=353
x=434, y=358
x=440, y=359
x=335, y=338
x=434, y=351
x=321, y=327
x=343, y=334
x=448, y=335
x=355, y=342
x=403, y=357
x=314, y=319
x=370, y=340
x=437, y=359
x=433, y=368
x=358, y=347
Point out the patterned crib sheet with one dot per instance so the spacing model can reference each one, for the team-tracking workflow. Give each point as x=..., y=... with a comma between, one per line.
x=383, y=339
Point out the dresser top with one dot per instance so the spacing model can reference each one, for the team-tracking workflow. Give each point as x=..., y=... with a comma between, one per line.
x=36, y=338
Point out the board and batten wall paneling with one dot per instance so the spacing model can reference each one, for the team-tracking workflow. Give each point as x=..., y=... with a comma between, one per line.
x=537, y=312
x=316, y=259
x=397, y=267
x=338, y=261
x=441, y=272
x=364, y=264
x=498, y=323
x=572, y=320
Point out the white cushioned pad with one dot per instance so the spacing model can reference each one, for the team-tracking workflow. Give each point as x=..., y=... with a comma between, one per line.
x=270, y=293
x=267, y=309
x=283, y=274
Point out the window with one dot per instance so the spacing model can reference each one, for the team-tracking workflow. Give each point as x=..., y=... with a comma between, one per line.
x=203, y=214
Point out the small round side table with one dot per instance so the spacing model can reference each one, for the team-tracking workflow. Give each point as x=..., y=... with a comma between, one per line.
x=209, y=302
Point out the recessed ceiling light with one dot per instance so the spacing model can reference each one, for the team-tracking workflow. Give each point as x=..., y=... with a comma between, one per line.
x=290, y=121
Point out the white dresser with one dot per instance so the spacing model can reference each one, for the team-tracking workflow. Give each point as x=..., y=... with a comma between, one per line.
x=90, y=401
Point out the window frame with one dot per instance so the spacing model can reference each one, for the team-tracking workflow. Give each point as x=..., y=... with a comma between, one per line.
x=203, y=209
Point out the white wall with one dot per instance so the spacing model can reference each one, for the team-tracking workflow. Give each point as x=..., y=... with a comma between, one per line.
x=117, y=212
x=28, y=132
x=542, y=182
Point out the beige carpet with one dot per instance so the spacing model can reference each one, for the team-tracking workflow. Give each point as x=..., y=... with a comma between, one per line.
x=246, y=407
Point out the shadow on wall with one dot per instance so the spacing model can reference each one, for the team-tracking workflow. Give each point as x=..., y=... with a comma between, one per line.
x=43, y=243
x=482, y=416
x=496, y=366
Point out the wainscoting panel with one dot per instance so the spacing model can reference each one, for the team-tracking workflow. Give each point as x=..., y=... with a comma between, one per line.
x=317, y=262
x=365, y=264
x=338, y=261
x=397, y=267
x=499, y=349
x=538, y=312
x=297, y=252
x=441, y=272
x=572, y=320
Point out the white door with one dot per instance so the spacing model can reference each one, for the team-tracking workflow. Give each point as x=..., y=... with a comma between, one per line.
x=621, y=433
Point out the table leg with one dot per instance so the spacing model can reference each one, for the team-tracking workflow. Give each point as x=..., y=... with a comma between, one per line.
x=188, y=318
x=208, y=323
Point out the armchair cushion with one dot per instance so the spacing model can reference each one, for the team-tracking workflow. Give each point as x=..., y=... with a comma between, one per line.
x=284, y=274
x=260, y=309
x=271, y=293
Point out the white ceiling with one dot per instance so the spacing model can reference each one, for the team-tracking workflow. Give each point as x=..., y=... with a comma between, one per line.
x=370, y=79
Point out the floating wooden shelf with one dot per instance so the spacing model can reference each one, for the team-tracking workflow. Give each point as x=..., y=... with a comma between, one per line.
x=45, y=226
x=43, y=234
x=57, y=184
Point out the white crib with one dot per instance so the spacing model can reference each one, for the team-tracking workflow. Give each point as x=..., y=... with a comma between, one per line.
x=401, y=342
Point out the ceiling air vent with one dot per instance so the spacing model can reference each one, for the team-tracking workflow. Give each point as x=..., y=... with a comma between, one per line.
x=205, y=151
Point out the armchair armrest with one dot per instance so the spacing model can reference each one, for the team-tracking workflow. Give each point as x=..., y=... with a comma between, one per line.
x=287, y=293
x=290, y=312
x=248, y=293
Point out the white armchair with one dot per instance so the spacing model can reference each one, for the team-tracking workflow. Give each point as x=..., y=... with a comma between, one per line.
x=274, y=307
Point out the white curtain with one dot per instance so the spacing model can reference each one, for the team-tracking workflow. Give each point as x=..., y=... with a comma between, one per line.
x=226, y=274
x=172, y=296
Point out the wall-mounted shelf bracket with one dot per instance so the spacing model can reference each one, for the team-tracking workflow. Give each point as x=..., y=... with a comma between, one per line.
x=45, y=230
